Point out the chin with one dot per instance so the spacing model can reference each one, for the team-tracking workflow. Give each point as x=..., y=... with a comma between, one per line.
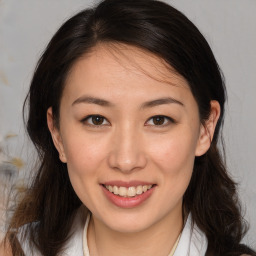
x=129, y=227
x=130, y=221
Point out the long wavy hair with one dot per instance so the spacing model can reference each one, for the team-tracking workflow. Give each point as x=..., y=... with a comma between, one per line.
x=50, y=203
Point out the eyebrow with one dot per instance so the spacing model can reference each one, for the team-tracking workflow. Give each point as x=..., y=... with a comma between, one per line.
x=92, y=100
x=105, y=103
x=161, y=101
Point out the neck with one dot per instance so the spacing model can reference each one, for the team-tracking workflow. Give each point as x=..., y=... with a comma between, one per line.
x=155, y=240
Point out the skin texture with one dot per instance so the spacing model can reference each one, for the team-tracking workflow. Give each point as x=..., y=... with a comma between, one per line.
x=128, y=145
x=5, y=249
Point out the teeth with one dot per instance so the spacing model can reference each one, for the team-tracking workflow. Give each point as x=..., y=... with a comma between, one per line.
x=122, y=191
x=128, y=192
x=115, y=190
x=131, y=191
x=139, y=190
x=144, y=188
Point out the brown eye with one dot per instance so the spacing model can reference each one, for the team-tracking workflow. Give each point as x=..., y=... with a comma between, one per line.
x=158, y=120
x=97, y=120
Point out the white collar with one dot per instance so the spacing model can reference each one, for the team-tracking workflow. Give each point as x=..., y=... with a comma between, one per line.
x=193, y=241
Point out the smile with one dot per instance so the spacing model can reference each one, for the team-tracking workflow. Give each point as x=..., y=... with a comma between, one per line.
x=128, y=194
x=129, y=191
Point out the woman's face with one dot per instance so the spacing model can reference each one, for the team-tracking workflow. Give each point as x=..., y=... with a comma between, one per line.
x=129, y=133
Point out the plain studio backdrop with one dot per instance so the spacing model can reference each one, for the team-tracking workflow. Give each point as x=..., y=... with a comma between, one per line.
x=26, y=26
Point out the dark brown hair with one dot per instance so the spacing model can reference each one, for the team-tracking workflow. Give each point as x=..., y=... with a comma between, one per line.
x=50, y=203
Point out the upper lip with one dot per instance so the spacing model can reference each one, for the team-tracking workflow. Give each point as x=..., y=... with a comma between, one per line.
x=127, y=184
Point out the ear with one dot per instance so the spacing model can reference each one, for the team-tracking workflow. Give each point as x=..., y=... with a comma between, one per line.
x=56, y=136
x=207, y=129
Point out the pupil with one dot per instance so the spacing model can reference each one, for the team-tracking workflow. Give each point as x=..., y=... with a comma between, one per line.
x=159, y=120
x=97, y=120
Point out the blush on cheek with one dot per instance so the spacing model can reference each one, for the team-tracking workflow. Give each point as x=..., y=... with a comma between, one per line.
x=81, y=150
x=168, y=152
x=173, y=158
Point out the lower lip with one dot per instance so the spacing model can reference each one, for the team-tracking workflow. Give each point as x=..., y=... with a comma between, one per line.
x=128, y=202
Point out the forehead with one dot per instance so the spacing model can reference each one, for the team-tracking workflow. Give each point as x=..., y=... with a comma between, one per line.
x=119, y=69
x=128, y=58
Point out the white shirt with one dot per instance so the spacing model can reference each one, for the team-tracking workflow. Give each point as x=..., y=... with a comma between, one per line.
x=193, y=241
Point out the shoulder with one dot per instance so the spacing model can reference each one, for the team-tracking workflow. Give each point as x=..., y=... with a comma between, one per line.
x=74, y=245
x=23, y=238
x=5, y=248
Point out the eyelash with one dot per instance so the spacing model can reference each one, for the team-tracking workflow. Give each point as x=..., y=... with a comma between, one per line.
x=85, y=121
x=166, y=123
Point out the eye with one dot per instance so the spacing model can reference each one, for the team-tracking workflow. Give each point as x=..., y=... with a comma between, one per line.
x=160, y=121
x=95, y=120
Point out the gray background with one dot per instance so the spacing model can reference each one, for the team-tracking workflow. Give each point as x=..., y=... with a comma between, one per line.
x=230, y=28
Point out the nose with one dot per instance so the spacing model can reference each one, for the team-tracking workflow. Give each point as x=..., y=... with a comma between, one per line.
x=127, y=151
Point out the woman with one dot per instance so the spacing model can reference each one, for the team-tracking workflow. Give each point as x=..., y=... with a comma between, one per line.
x=125, y=110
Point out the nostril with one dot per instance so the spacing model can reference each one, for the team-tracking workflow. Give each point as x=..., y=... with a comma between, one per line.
x=127, y=162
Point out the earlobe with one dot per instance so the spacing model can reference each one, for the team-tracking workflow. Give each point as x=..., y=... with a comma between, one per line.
x=56, y=137
x=207, y=129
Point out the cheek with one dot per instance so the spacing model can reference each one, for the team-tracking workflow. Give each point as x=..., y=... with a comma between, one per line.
x=85, y=158
x=84, y=154
x=174, y=154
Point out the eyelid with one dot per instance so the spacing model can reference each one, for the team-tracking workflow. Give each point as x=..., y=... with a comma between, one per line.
x=85, y=119
x=170, y=121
